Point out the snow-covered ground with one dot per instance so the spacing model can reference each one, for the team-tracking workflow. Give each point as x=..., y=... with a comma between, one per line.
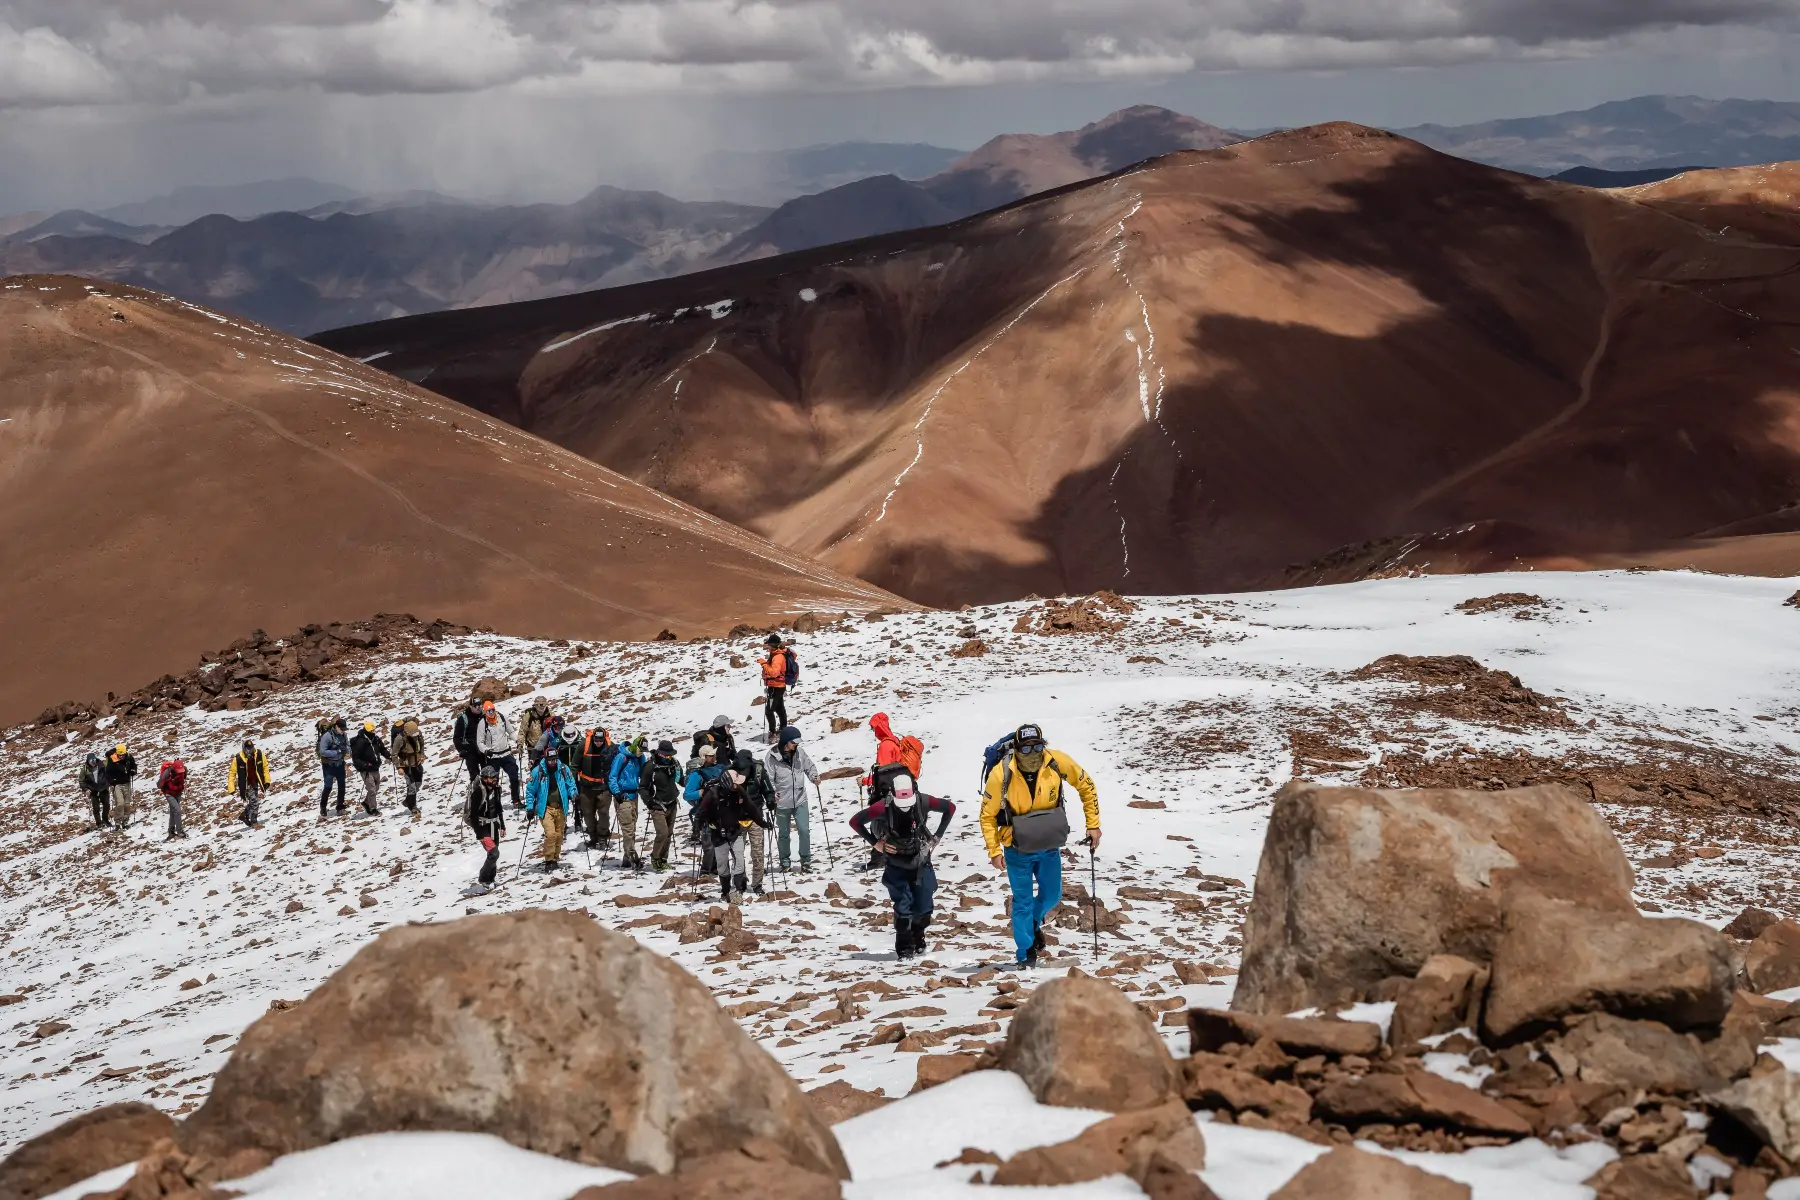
x=157, y=954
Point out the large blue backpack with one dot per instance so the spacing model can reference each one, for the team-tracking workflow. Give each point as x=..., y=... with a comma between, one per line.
x=990, y=758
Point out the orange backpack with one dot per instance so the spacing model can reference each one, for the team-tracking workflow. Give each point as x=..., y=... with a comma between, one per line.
x=912, y=755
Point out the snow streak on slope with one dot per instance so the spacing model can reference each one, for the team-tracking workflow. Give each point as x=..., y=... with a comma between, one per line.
x=919, y=425
x=104, y=930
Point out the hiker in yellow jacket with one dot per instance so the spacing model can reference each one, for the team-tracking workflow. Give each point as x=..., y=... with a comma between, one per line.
x=1024, y=823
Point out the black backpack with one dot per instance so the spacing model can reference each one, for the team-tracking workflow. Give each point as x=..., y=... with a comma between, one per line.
x=881, y=780
x=792, y=675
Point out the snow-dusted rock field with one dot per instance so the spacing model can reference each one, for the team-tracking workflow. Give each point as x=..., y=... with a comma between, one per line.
x=131, y=963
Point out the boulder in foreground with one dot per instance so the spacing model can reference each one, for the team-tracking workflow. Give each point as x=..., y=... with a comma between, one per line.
x=541, y=1028
x=1351, y=1174
x=81, y=1148
x=1356, y=885
x=1080, y=1043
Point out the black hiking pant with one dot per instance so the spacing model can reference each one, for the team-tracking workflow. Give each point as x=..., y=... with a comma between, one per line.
x=775, y=711
x=102, y=802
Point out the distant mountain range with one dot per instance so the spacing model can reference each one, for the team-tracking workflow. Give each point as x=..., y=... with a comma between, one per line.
x=1629, y=135
x=306, y=255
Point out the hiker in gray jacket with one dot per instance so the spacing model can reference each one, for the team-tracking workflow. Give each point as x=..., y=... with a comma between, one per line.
x=790, y=770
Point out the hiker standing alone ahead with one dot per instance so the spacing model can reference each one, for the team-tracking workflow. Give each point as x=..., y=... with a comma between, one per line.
x=248, y=780
x=1024, y=825
x=898, y=826
x=780, y=671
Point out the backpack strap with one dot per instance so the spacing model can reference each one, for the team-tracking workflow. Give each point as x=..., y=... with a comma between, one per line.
x=1006, y=785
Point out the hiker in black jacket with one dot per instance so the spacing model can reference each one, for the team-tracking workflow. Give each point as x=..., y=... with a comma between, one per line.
x=367, y=753
x=898, y=825
x=762, y=794
x=462, y=736
x=121, y=769
x=727, y=814
x=663, y=781
x=486, y=814
x=92, y=780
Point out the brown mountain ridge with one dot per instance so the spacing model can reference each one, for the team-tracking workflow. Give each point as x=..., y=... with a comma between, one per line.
x=171, y=478
x=1199, y=374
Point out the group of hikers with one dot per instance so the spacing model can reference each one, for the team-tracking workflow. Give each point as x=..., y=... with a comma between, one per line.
x=740, y=805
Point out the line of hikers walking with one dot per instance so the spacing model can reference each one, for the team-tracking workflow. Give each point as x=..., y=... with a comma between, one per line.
x=739, y=804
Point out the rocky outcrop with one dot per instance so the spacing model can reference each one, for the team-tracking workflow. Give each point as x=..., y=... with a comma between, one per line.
x=1772, y=963
x=1211, y=1029
x=838, y=1101
x=538, y=1027
x=1356, y=886
x=1558, y=957
x=1769, y=1107
x=1080, y=1043
x=165, y=1173
x=80, y=1148
x=1638, y=1054
x=1417, y=1096
x=1351, y=1174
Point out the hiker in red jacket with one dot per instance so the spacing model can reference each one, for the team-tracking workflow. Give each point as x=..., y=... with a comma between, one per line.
x=171, y=781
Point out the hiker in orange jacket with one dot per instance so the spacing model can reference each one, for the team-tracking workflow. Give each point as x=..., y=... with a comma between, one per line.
x=777, y=673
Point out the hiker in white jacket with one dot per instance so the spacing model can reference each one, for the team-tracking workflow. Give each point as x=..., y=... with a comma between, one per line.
x=494, y=741
x=790, y=770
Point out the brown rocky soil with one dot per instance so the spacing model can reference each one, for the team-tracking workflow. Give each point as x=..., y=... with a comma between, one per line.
x=1457, y=686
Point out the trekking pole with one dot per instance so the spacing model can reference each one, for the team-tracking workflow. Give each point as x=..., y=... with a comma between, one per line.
x=1094, y=898
x=524, y=840
x=825, y=825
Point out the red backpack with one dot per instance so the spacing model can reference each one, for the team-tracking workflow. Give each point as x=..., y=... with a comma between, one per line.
x=172, y=778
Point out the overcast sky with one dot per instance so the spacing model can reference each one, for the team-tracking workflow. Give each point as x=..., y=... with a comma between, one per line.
x=102, y=102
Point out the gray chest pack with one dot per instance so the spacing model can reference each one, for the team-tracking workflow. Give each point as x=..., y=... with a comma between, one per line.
x=1041, y=829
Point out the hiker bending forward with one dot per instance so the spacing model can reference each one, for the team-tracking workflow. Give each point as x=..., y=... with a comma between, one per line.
x=1024, y=824
x=898, y=826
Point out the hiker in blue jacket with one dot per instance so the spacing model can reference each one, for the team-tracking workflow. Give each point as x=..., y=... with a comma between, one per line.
x=550, y=805
x=701, y=772
x=623, y=781
x=333, y=746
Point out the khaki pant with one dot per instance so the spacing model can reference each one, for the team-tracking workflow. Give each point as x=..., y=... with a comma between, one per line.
x=664, y=824
x=121, y=805
x=759, y=850
x=628, y=816
x=371, y=790
x=555, y=822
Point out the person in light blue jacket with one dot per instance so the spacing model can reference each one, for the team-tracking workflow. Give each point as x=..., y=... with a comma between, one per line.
x=551, y=805
x=624, y=781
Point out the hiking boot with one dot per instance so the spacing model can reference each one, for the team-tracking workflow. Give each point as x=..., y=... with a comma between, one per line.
x=918, y=934
x=757, y=888
x=725, y=887
x=1037, y=941
x=902, y=941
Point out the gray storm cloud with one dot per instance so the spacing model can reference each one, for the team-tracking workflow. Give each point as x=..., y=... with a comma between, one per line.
x=87, y=52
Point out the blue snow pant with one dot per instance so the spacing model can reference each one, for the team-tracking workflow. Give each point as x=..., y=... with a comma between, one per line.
x=1036, y=881
x=910, y=890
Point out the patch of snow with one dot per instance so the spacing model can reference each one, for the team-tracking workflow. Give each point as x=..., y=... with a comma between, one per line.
x=105, y=1181
x=573, y=338
x=808, y=295
x=719, y=309
x=1381, y=1014
x=1456, y=1068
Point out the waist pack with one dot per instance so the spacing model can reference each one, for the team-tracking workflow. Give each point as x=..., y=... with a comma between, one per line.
x=1042, y=829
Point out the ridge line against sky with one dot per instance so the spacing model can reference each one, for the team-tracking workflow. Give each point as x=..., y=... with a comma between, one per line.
x=108, y=100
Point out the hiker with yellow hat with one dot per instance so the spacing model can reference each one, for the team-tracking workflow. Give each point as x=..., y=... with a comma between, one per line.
x=121, y=768
x=367, y=753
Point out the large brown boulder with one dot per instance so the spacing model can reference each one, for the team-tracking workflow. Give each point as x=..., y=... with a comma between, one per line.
x=1347, y=1173
x=1772, y=962
x=1557, y=958
x=82, y=1147
x=1419, y=1096
x=541, y=1028
x=1080, y=1043
x=1356, y=886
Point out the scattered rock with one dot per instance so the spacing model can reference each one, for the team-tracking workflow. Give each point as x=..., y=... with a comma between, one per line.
x=1211, y=1029
x=1347, y=1173
x=1644, y=1177
x=1747, y=924
x=1768, y=1106
x=1772, y=962
x=165, y=1172
x=973, y=648
x=754, y=1171
x=840, y=725
x=619, y=1059
x=1444, y=996
x=838, y=1101
x=568, y=675
x=489, y=688
x=1520, y=602
x=1128, y=1144
x=1089, y=614
x=1417, y=1096
x=1356, y=886
x=1557, y=958
x=1639, y=1054
x=934, y=1069
x=1210, y=1081
x=82, y=1147
x=294, y=906
x=51, y=1029
x=1458, y=687
x=1081, y=1043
